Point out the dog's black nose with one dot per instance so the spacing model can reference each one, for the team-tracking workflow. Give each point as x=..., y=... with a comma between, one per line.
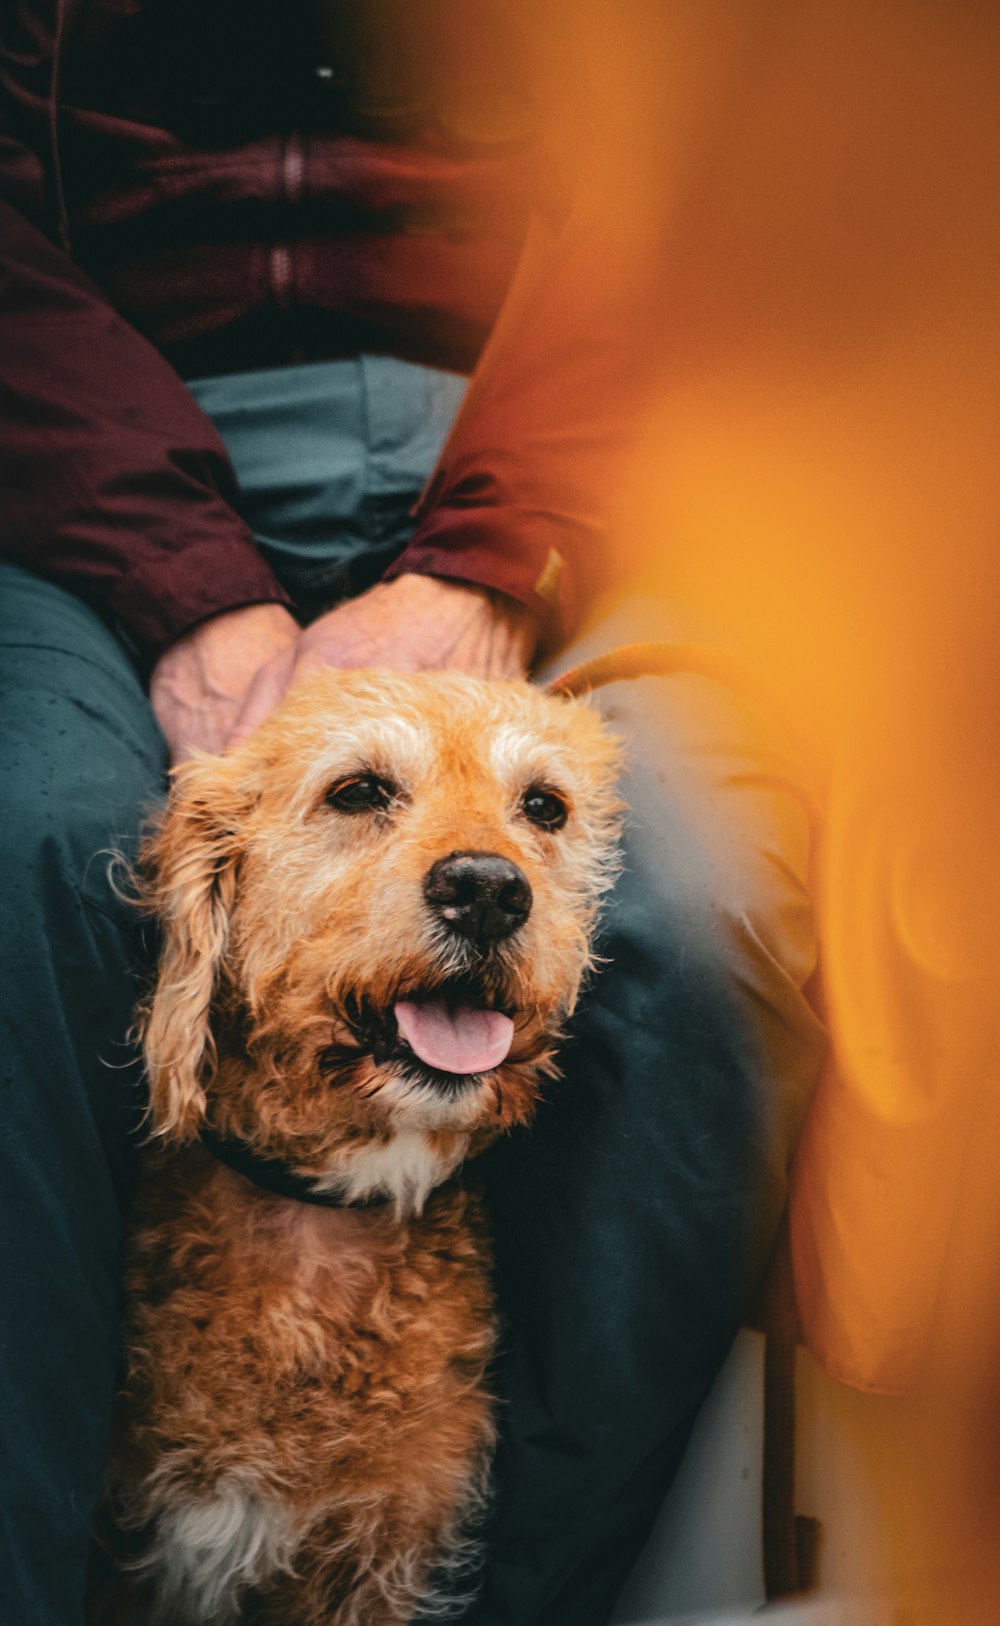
x=481, y=895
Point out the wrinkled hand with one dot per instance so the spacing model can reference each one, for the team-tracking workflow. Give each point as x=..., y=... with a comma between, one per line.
x=216, y=690
x=200, y=684
x=412, y=624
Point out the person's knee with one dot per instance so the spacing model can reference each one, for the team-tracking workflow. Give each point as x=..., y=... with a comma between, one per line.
x=718, y=898
x=762, y=935
x=751, y=945
x=719, y=838
x=712, y=943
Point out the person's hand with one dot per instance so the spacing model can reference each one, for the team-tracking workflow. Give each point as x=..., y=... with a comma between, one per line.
x=411, y=624
x=200, y=684
x=213, y=687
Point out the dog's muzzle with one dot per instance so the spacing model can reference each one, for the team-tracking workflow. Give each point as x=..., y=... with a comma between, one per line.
x=481, y=896
x=448, y=1035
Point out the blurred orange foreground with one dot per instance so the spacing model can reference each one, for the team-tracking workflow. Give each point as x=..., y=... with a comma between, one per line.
x=798, y=204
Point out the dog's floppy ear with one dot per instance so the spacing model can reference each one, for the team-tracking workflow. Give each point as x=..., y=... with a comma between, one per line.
x=188, y=868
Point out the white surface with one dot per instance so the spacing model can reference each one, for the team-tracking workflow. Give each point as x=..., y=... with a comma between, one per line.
x=860, y=1468
x=705, y=1550
x=858, y=1471
x=848, y=1611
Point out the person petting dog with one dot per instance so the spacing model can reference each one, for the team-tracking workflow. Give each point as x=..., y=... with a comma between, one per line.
x=311, y=360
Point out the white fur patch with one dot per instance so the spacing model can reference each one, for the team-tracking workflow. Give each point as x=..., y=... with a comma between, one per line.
x=404, y=1168
x=208, y=1550
x=517, y=758
x=514, y=752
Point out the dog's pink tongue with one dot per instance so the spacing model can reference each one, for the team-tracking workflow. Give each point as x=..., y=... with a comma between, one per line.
x=456, y=1038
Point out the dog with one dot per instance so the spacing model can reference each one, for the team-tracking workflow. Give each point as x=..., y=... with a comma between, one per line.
x=375, y=916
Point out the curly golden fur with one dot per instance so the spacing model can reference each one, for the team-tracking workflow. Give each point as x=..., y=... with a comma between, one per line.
x=305, y=1427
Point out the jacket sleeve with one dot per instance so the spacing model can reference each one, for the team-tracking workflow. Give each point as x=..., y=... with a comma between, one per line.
x=116, y=484
x=525, y=491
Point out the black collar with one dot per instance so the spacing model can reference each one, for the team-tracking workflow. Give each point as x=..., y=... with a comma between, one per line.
x=271, y=1174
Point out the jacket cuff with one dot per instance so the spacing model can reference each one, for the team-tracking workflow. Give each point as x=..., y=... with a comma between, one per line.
x=167, y=596
x=514, y=551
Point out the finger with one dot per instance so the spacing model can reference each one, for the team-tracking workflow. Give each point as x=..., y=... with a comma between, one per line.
x=267, y=689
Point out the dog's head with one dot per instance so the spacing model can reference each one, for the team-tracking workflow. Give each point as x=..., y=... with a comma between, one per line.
x=375, y=917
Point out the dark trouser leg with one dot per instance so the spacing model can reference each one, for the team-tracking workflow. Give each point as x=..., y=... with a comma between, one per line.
x=81, y=754
x=633, y=1217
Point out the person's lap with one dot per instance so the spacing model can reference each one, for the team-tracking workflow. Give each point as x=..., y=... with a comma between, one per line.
x=627, y=1223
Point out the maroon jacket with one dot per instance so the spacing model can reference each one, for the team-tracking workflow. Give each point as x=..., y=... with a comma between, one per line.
x=150, y=231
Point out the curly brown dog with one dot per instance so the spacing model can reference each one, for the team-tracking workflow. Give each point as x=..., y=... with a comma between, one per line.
x=376, y=915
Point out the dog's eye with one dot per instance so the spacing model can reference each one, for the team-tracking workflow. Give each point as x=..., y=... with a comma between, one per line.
x=361, y=793
x=543, y=807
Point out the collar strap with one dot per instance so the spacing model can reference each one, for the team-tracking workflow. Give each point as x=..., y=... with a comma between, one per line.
x=271, y=1174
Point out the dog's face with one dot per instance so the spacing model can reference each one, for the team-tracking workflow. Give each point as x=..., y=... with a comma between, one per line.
x=376, y=914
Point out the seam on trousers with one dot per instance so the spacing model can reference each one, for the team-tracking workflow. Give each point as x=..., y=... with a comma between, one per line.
x=74, y=654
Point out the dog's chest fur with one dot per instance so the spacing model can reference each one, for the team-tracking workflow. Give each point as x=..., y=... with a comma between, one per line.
x=324, y=1370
